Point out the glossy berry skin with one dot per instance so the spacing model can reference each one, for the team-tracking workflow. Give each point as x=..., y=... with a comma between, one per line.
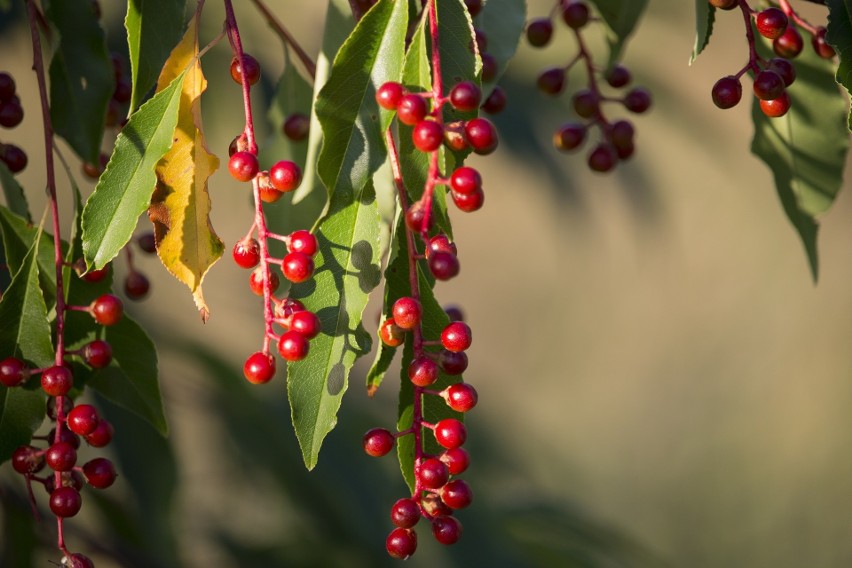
x=461, y=397
x=249, y=68
x=83, y=419
x=243, y=166
x=427, y=135
x=481, y=135
x=81, y=561
x=465, y=96
x=569, y=137
x=378, y=442
x=303, y=241
x=450, y=433
x=440, y=243
x=784, y=68
x=407, y=312
x=456, y=494
x=411, y=109
x=65, y=502
x=57, y=381
x=136, y=285
x=391, y=334
x=147, y=242
x=603, y=158
x=15, y=158
x=444, y=265
x=293, y=346
x=638, y=100
x=296, y=127
x=401, y=543
x=617, y=77
x=256, y=282
x=107, y=310
x=100, y=473
x=422, y=371
x=97, y=354
x=496, y=101
x=389, y=95
x=789, y=45
x=456, y=337
x=297, y=267
x=61, y=456
x=13, y=372
x=820, y=45
x=452, y=363
x=470, y=202
x=247, y=253
x=576, y=14
x=489, y=67
x=727, y=92
x=288, y=307
x=415, y=215
x=102, y=434
x=26, y=459
x=65, y=435
x=465, y=180
x=432, y=473
x=96, y=275
x=11, y=114
x=307, y=323
x=447, y=530
x=405, y=513
x=551, y=81
x=768, y=85
x=285, y=176
x=457, y=460
x=771, y=23
x=259, y=368
x=776, y=107
x=539, y=32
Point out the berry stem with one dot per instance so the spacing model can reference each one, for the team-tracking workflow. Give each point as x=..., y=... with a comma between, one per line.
x=753, y=57
x=287, y=38
x=800, y=21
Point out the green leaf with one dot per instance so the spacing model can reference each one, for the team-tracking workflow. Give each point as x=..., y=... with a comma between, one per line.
x=18, y=238
x=124, y=189
x=153, y=29
x=16, y=201
x=705, y=15
x=806, y=148
x=503, y=22
x=621, y=17
x=82, y=79
x=293, y=95
x=458, y=62
x=131, y=380
x=21, y=414
x=839, y=36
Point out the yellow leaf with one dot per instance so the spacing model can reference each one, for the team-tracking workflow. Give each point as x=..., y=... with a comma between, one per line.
x=180, y=207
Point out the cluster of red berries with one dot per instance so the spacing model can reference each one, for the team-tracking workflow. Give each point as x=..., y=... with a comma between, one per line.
x=496, y=101
x=773, y=76
x=11, y=115
x=616, y=138
x=136, y=284
x=116, y=110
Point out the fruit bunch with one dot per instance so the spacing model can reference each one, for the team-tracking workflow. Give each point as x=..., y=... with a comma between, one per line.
x=11, y=115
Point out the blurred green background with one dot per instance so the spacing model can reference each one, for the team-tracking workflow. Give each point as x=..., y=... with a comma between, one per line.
x=661, y=384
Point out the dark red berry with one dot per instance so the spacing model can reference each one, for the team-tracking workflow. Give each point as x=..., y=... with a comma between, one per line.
x=65, y=435
x=83, y=419
x=378, y=442
x=101, y=435
x=136, y=285
x=14, y=157
x=256, y=282
x=433, y=506
x=7, y=87
x=297, y=267
x=621, y=134
x=122, y=91
x=307, y=323
x=569, y=137
x=551, y=81
x=293, y=346
x=297, y=126
x=469, y=202
x=776, y=107
x=456, y=337
x=727, y=92
x=415, y=215
x=432, y=473
x=285, y=176
x=411, y=109
x=447, y=530
x=452, y=363
x=422, y=371
x=401, y=543
x=147, y=242
x=489, y=68
x=768, y=85
x=259, y=368
x=724, y=4
x=65, y=502
x=93, y=275
x=454, y=137
x=247, y=253
x=50, y=409
x=789, y=45
x=454, y=313
x=238, y=144
x=81, y=561
x=481, y=40
x=771, y=23
x=440, y=242
x=457, y=460
x=11, y=113
x=391, y=334
x=405, y=513
x=427, y=135
x=461, y=397
x=465, y=96
x=450, y=433
x=249, y=68
x=27, y=459
x=61, y=456
x=13, y=372
x=539, y=32
x=496, y=101
x=784, y=68
x=586, y=103
x=618, y=76
x=97, y=353
x=303, y=241
x=474, y=7
x=389, y=95
x=820, y=45
x=443, y=265
x=456, y=494
x=603, y=158
x=465, y=180
x=243, y=166
x=100, y=473
x=57, y=381
x=107, y=309
x=407, y=312
x=481, y=135
x=575, y=14
x=638, y=100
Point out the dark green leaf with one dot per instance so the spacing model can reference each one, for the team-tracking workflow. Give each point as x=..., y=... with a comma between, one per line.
x=621, y=17
x=293, y=95
x=839, y=36
x=347, y=262
x=21, y=413
x=705, y=15
x=82, y=79
x=806, y=148
x=16, y=201
x=458, y=62
x=154, y=28
x=18, y=238
x=124, y=189
x=503, y=22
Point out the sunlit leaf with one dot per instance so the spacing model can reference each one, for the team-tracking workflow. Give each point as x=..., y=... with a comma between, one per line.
x=621, y=17
x=839, y=36
x=705, y=15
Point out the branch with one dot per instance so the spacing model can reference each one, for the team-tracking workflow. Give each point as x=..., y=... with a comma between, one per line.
x=287, y=38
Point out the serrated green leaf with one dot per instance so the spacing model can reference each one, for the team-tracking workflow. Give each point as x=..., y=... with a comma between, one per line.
x=458, y=61
x=806, y=148
x=153, y=29
x=21, y=413
x=124, y=189
x=131, y=380
x=16, y=201
x=293, y=95
x=18, y=238
x=82, y=79
x=503, y=22
x=839, y=36
x=705, y=15
x=621, y=17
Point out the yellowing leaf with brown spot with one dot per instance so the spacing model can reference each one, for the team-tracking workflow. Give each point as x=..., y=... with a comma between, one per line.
x=180, y=206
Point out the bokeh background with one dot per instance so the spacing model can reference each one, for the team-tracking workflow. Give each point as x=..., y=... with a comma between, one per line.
x=661, y=383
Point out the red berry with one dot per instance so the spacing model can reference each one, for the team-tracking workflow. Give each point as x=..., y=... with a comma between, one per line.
x=97, y=353
x=551, y=81
x=27, y=459
x=100, y=473
x=432, y=473
x=465, y=180
x=790, y=44
x=433, y=506
x=304, y=242
x=407, y=312
x=784, y=68
x=287, y=307
x=122, y=91
x=470, y=202
x=489, y=67
x=285, y=176
x=447, y=530
x=461, y=397
x=727, y=92
x=65, y=502
x=456, y=337
x=638, y=100
x=443, y=265
x=81, y=561
x=296, y=127
x=820, y=45
x=391, y=334
x=11, y=113
x=7, y=87
x=586, y=103
x=401, y=543
x=65, y=435
x=539, y=32
x=481, y=40
x=415, y=215
x=15, y=158
x=405, y=513
x=481, y=135
x=450, y=433
x=603, y=158
x=136, y=285
x=452, y=363
x=411, y=109
x=147, y=242
x=569, y=137
x=423, y=371
x=259, y=368
x=95, y=275
x=247, y=253
x=768, y=85
x=457, y=460
x=107, y=309
x=378, y=442
x=456, y=494
x=13, y=372
x=427, y=135
x=771, y=23
x=293, y=346
x=307, y=323
x=57, y=381
x=256, y=281
x=776, y=107
x=249, y=68
x=465, y=96
x=576, y=14
x=297, y=267
x=618, y=76
x=83, y=419
x=389, y=95
x=496, y=101
x=440, y=243
x=61, y=456
x=101, y=435
x=243, y=166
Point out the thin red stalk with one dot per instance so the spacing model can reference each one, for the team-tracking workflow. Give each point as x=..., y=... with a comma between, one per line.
x=38, y=67
x=753, y=57
x=437, y=95
x=793, y=15
x=279, y=28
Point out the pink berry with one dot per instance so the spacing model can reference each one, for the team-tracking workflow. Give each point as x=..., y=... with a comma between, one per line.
x=13, y=372
x=378, y=442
